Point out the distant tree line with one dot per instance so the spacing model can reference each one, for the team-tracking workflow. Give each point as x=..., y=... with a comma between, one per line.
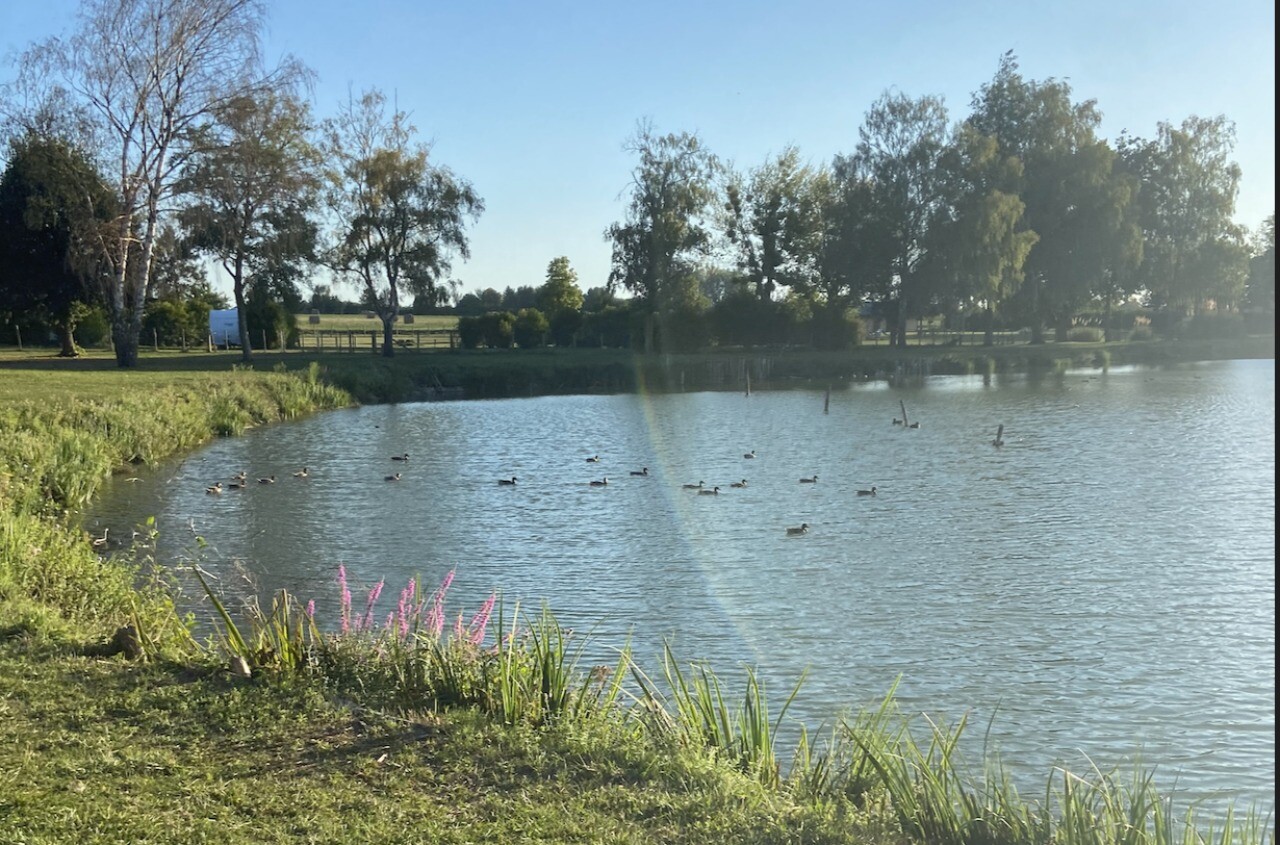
x=133, y=164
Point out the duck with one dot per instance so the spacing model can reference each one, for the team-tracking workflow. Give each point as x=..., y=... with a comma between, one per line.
x=644, y=471
x=403, y=457
x=395, y=477
x=897, y=421
x=742, y=483
x=750, y=455
x=813, y=480
x=870, y=492
x=604, y=482
x=270, y=479
x=914, y=425
x=508, y=481
x=697, y=486
x=99, y=542
x=215, y=489
x=802, y=528
x=240, y=476
x=999, y=441
x=302, y=473
x=714, y=491
x=237, y=485
x=594, y=459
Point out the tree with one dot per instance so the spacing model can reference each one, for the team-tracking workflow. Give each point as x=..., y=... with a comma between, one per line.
x=145, y=74
x=899, y=156
x=397, y=218
x=1187, y=197
x=1074, y=199
x=978, y=245
x=771, y=218
x=1260, y=292
x=254, y=184
x=560, y=292
x=52, y=206
x=671, y=188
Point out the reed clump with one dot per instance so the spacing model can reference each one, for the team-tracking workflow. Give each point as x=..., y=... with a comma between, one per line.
x=888, y=780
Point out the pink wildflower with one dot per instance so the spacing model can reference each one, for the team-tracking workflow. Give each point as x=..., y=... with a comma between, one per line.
x=345, y=594
x=367, y=623
x=406, y=603
x=311, y=609
x=475, y=632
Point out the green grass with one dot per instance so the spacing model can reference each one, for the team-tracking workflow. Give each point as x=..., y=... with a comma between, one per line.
x=360, y=323
x=97, y=751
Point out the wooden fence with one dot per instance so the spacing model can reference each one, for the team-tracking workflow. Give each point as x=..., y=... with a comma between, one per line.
x=352, y=340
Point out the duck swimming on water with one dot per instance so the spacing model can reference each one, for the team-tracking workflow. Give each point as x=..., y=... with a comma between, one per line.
x=604, y=482
x=644, y=471
x=813, y=480
x=395, y=477
x=509, y=482
x=697, y=486
x=803, y=528
x=870, y=492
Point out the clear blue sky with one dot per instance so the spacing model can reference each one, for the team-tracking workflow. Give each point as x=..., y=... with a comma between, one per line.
x=533, y=101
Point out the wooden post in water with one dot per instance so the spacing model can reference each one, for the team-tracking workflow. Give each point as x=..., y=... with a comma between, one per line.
x=748, y=379
x=826, y=403
x=903, y=406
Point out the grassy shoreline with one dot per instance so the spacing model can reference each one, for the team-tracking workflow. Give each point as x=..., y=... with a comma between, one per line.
x=376, y=734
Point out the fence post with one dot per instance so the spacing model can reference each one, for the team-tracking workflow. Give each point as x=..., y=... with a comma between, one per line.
x=18, y=331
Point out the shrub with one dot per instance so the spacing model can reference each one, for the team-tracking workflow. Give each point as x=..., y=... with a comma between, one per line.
x=530, y=328
x=1211, y=325
x=1140, y=333
x=564, y=327
x=834, y=330
x=93, y=328
x=168, y=322
x=470, y=332
x=498, y=329
x=1085, y=334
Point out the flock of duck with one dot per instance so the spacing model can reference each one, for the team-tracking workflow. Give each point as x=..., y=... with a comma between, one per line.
x=240, y=480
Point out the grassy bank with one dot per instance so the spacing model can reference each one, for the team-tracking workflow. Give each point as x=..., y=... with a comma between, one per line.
x=489, y=373
x=286, y=728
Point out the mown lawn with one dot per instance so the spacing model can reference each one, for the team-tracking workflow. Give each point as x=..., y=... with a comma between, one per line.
x=96, y=750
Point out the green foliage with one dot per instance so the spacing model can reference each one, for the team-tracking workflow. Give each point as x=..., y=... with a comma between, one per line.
x=470, y=332
x=170, y=322
x=269, y=318
x=742, y=319
x=530, y=328
x=560, y=292
x=1213, y=324
x=93, y=328
x=1085, y=334
x=498, y=329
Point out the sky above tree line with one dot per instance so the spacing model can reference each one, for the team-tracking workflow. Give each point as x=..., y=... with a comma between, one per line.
x=533, y=102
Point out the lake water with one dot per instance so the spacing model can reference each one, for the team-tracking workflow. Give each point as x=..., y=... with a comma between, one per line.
x=1100, y=588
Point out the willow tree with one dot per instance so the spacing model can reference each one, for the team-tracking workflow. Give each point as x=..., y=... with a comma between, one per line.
x=53, y=204
x=397, y=218
x=144, y=75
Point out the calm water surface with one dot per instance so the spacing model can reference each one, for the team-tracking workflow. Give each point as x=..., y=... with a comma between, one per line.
x=1101, y=588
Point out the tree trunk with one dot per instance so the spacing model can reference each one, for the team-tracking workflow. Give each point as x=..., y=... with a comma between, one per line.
x=1062, y=327
x=242, y=314
x=126, y=344
x=989, y=336
x=388, y=347
x=66, y=334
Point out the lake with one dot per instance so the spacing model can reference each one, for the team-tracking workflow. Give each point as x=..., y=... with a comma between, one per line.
x=1100, y=588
